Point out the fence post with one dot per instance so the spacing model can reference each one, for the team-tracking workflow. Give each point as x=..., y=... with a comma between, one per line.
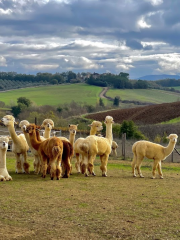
x=124, y=146
x=172, y=156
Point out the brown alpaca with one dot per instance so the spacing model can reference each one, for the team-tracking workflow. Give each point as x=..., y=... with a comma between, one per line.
x=50, y=149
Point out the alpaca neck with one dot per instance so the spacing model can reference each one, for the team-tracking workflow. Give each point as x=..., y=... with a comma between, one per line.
x=34, y=142
x=3, y=158
x=12, y=132
x=93, y=131
x=109, y=133
x=72, y=139
x=168, y=150
x=47, y=133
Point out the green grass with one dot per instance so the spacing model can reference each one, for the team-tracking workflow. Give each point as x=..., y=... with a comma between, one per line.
x=172, y=121
x=145, y=95
x=54, y=95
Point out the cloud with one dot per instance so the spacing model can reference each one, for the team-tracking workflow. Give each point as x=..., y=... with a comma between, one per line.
x=96, y=35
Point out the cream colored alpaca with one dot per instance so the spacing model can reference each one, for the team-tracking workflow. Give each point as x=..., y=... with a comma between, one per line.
x=94, y=145
x=4, y=175
x=37, y=161
x=72, y=134
x=48, y=124
x=19, y=145
x=154, y=151
x=96, y=126
x=113, y=148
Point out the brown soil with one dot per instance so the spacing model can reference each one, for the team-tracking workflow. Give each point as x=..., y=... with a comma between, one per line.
x=152, y=114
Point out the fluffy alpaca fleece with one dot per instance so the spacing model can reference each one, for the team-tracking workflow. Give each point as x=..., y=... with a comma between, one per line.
x=94, y=145
x=51, y=150
x=4, y=175
x=113, y=148
x=153, y=151
x=95, y=127
x=37, y=162
x=19, y=145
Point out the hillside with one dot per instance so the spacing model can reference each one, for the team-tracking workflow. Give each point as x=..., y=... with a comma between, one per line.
x=158, y=77
x=152, y=114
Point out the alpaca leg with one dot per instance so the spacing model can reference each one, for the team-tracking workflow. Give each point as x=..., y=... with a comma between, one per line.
x=91, y=165
x=84, y=164
x=18, y=163
x=53, y=170
x=58, y=167
x=44, y=167
x=160, y=170
x=36, y=164
x=25, y=163
x=67, y=169
x=133, y=164
x=103, y=167
x=77, y=164
x=156, y=162
x=138, y=165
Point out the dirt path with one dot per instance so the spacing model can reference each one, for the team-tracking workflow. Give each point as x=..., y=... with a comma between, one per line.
x=102, y=94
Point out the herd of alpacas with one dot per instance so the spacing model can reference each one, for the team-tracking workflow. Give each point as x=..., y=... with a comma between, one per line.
x=53, y=155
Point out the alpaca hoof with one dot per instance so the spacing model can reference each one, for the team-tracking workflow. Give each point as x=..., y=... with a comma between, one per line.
x=161, y=177
x=93, y=173
x=141, y=176
x=57, y=178
x=153, y=177
x=65, y=176
x=86, y=175
x=134, y=175
x=52, y=178
x=104, y=175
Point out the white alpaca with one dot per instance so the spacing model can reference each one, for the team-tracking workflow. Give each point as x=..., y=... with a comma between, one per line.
x=94, y=145
x=19, y=145
x=96, y=126
x=48, y=124
x=113, y=148
x=4, y=175
x=154, y=151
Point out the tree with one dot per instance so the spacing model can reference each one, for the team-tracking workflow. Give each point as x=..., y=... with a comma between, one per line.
x=116, y=101
x=101, y=103
x=54, y=81
x=24, y=101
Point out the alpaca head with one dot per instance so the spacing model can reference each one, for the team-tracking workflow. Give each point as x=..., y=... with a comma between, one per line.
x=114, y=145
x=32, y=128
x=173, y=138
x=73, y=129
x=4, y=142
x=23, y=125
x=8, y=120
x=47, y=124
x=96, y=125
x=109, y=120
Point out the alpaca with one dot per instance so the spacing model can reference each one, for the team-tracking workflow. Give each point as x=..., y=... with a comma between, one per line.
x=154, y=151
x=48, y=124
x=96, y=126
x=37, y=161
x=94, y=145
x=72, y=134
x=113, y=148
x=19, y=145
x=50, y=149
x=4, y=175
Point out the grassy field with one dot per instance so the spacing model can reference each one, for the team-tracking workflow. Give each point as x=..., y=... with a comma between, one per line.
x=54, y=95
x=116, y=207
x=145, y=95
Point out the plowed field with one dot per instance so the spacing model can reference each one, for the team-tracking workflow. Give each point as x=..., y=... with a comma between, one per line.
x=142, y=115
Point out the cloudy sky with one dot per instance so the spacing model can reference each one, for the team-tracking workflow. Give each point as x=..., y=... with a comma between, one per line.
x=140, y=37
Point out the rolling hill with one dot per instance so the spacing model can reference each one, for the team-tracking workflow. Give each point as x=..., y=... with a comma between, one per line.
x=158, y=77
x=152, y=114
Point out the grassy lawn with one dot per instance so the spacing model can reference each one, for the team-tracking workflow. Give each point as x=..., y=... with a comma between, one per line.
x=145, y=95
x=116, y=207
x=54, y=95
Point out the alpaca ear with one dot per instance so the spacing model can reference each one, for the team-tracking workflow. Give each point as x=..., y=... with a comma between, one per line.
x=77, y=124
x=90, y=125
x=69, y=125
